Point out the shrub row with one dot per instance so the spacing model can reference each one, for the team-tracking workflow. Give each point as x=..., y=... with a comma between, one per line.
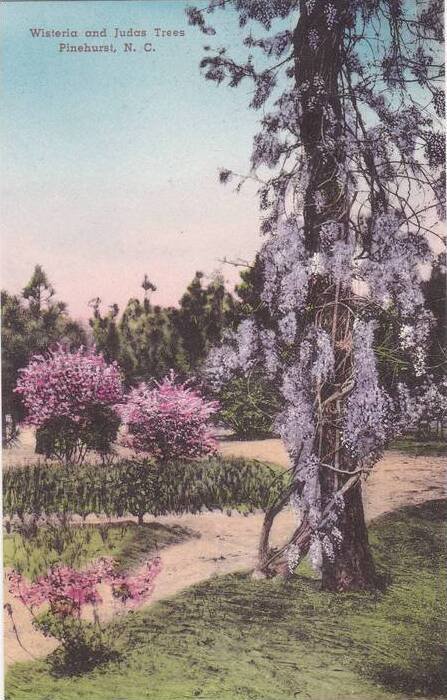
x=133, y=487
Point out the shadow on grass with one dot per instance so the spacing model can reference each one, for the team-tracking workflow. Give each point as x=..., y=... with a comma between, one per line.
x=63, y=663
x=232, y=637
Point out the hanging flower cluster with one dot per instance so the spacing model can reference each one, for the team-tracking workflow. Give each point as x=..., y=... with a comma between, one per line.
x=369, y=410
x=426, y=401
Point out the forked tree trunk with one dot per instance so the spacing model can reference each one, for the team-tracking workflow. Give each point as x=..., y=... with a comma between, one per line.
x=264, y=553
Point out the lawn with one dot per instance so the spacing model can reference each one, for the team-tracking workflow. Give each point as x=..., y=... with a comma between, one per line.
x=128, y=543
x=415, y=446
x=234, y=638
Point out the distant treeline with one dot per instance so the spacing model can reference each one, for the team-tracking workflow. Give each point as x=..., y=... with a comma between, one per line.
x=148, y=340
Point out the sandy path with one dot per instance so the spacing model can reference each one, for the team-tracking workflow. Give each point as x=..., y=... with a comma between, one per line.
x=229, y=543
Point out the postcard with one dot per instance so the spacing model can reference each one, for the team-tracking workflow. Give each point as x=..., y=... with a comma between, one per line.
x=224, y=349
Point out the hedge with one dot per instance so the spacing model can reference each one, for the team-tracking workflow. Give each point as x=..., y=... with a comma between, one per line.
x=132, y=487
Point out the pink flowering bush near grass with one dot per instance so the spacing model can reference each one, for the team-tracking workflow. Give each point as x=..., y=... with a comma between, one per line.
x=69, y=398
x=168, y=421
x=66, y=591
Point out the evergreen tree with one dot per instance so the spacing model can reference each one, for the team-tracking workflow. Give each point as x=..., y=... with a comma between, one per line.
x=38, y=292
x=203, y=314
x=32, y=323
x=105, y=330
x=435, y=293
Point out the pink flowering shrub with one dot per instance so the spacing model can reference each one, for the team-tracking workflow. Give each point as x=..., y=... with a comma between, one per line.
x=69, y=397
x=168, y=421
x=132, y=590
x=65, y=591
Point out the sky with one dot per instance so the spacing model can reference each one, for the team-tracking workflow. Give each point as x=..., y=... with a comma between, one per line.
x=112, y=159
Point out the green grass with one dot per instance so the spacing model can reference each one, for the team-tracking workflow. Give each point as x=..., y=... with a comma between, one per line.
x=416, y=447
x=233, y=638
x=128, y=543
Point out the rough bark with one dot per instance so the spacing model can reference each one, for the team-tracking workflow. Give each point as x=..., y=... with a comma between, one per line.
x=4, y=435
x=353, y=566
x=264, y=554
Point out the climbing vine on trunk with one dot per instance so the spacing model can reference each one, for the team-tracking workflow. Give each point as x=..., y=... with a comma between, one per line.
x=350, y=166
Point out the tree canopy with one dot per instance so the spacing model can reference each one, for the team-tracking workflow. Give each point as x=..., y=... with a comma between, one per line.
x=350, y=164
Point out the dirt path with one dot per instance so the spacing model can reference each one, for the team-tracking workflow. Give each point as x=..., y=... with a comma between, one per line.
x=229, y=544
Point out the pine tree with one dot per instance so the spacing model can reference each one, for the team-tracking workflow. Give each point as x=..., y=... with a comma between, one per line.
x=32, y=322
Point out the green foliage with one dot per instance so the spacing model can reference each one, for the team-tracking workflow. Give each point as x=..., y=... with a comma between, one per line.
x=140, y=486
x=203, y=315
x=31, y=323
x=84, y=645
x=416, y=447
x=235, y=638
x=143, y=341
x=434, y=290
x=32, y=554
x=249, y=302
x=105, y=331
x=61, y=436
x=137, y=488
x=393, y=362
x=148, y=341
x=249, y=405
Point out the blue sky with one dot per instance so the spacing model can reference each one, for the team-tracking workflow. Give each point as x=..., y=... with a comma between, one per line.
x=112, y=159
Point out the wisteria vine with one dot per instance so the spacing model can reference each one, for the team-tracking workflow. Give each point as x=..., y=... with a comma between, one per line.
x=350, y=165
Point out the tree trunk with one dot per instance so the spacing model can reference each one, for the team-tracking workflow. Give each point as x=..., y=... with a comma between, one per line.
x=263, y=547
x=352, y=567
x=262, y=566
x=318, y=55
x=4, y=426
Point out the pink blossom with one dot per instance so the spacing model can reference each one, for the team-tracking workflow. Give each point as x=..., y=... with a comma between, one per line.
x=67, y=590
x=135, y=589
x=168, y=420
x=64, y=384
x=64, y=588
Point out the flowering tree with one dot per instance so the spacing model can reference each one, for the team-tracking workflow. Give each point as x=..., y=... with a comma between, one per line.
x=349, y=162
x=66, y=592
x=168, y=421
x=69, y=397
x=30, y=323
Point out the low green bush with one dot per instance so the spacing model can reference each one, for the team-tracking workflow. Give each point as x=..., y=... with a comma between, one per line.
x=133, y=487
x=248, y=406
x=84, y=646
